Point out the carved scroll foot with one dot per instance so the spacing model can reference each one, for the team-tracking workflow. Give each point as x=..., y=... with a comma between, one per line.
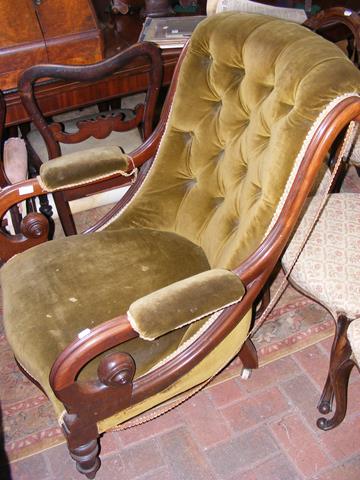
x=87, y=458
x=337, y=381
x=327, y=396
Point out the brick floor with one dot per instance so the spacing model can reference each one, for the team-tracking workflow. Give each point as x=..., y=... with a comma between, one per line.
x=257, y=429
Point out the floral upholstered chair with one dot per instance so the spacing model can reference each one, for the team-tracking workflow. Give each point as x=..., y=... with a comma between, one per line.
x=328, y=270
x=159, y=298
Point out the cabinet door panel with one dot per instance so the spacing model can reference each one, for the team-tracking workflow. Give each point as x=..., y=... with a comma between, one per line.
x=71, y=31
x=21, y=40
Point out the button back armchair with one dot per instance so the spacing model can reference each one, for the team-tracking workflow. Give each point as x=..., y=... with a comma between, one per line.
x=158, y=299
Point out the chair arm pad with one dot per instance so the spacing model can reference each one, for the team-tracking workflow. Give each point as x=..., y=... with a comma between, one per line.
x=184, y=302
x=88, y=166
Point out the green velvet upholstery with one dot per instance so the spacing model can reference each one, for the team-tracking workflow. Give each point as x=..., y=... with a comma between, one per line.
x=83, y=281
x=84, y=166
x=183, y=302
x=249, y=90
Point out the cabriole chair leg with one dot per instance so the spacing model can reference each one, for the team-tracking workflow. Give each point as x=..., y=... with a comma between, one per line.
x=337, y=381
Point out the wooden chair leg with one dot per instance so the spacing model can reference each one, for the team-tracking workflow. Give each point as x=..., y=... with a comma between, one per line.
x=338, y=378
x=327, y=396
x=248, y=355
x=83, y=446
x=65, y=215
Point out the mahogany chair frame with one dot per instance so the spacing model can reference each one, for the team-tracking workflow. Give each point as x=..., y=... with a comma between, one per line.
x=115, y=389
x=99, y=127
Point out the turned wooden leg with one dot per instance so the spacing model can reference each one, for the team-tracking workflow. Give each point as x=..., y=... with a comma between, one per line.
x=87, y=458
x=65, y=215
x=83, y=446
x=338, y=378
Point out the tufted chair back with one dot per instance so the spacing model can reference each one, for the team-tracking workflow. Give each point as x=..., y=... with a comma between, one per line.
x=249, y=89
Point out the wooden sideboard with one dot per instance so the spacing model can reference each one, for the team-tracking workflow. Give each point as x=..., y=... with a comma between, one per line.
x=44, y=31
x=117, y=33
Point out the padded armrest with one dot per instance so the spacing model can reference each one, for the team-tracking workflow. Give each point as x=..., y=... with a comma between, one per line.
x=184, y=302
x=83, y=167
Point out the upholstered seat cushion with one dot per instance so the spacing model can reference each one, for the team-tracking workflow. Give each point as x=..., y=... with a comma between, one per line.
x=328, y=268
x=353, y=334
x=53, y=292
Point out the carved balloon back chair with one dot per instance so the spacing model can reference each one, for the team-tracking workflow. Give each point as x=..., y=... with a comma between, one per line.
x=57, y=135
x=158, y=299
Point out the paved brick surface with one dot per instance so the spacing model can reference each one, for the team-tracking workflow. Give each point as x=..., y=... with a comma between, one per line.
x=241, y=451
x=301, y=445
x=315, y=362
x=259, y=429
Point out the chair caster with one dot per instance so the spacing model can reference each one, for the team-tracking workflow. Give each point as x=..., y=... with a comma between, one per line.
x=246, y=373
x=324, y=408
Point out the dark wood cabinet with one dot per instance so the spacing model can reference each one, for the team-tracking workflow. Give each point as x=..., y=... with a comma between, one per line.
x=46, y=31
x=80, y=32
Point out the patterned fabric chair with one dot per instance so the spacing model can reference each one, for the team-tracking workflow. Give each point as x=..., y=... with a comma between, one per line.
x=159, y=299
x=328, y=270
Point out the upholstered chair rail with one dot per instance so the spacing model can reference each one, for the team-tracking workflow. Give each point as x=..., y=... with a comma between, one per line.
x=184, y=302
x=83, y=167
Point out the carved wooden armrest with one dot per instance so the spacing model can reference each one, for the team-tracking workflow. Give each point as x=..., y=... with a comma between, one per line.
x=34, y=227
x=115, y=371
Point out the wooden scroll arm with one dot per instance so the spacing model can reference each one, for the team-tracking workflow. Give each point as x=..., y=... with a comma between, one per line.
x=268, y=253
x=94, y=342
x=34, y=226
